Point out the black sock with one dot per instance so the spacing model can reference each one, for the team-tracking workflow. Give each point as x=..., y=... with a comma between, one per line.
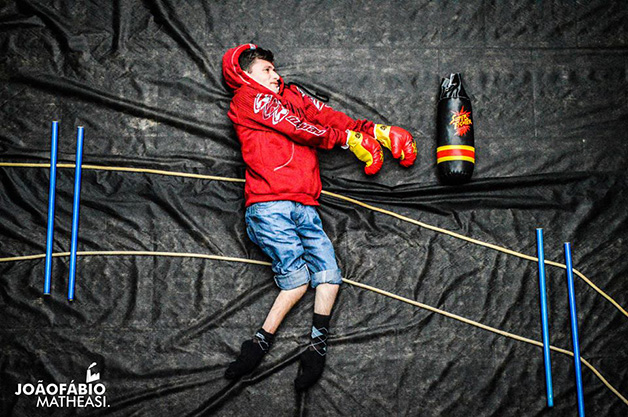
x=313, y=359
x=251, y=354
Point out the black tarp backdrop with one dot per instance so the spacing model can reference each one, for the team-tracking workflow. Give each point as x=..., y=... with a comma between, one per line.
x=548, y=81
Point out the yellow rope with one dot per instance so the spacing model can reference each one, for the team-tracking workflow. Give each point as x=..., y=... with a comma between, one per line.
x=488, y=328
x=137, y=253
x=341, y=197
x=480, y=243
x=348, y=281
x=123, y=169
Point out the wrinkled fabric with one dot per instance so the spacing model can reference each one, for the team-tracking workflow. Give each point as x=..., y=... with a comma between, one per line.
x=547, y=81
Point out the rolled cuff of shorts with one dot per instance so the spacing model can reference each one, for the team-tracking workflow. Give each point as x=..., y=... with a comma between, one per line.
x=329, y=276
x=294, y=279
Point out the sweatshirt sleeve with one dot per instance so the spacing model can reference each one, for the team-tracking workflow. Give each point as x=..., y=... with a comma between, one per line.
x=264, y=111
x=323, y=114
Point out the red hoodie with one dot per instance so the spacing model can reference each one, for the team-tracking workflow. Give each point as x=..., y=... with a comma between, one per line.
x=279, y=134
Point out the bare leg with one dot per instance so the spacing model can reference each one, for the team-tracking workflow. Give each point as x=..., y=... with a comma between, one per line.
x=282, y=305
x=325, y=298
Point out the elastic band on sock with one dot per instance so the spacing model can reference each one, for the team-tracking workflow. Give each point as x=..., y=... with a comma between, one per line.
x=264, y=339
x=321, y=321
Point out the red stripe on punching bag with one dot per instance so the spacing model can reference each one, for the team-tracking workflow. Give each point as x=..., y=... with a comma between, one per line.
x=456, y=152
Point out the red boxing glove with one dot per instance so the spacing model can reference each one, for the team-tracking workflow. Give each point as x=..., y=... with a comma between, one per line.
x=399, y=141
x=366, y=148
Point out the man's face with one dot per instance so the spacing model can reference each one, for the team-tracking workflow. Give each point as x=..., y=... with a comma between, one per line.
x=264, y=73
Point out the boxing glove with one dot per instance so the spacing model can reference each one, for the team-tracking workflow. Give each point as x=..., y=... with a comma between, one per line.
x=367, y=150
x=399, y=141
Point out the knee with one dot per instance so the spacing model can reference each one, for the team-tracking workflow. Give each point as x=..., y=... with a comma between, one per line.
x=327, y=288
x=300, y=291
x=296, y=292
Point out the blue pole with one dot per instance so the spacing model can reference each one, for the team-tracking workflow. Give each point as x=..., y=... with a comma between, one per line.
x=544, y=321
x=75, y=211
x=574, y=328
x=51, y=205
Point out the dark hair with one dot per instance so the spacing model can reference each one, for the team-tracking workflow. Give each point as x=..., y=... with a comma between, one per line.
x=247, y=57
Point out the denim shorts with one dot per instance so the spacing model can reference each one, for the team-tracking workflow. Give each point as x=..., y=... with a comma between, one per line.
x=292, y=235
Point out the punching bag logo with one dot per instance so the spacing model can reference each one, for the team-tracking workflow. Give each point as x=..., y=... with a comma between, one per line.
x=461, y=121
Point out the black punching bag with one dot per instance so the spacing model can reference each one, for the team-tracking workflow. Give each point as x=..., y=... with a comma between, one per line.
x=455, y=152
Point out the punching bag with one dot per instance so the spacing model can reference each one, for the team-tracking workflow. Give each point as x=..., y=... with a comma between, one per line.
x=455, y=152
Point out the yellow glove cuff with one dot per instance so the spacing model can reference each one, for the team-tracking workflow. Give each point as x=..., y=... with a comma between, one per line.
x=382, y=134
x=354, y=141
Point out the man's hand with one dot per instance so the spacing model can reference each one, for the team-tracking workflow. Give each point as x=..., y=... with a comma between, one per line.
x=399, y=141
x=366, y=148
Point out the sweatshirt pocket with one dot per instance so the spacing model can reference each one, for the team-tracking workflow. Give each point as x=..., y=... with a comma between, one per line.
x=288, y=161
x=277, y=153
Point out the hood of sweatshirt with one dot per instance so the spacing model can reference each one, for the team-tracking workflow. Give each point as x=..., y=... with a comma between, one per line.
x=236, y=77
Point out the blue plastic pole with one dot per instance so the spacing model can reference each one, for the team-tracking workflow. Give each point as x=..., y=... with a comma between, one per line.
x=544, y=321
x=75, y=211
x=51, y=205
x=574, y=328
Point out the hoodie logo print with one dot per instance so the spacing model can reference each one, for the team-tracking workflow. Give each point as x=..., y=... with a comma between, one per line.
x=271, y=108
